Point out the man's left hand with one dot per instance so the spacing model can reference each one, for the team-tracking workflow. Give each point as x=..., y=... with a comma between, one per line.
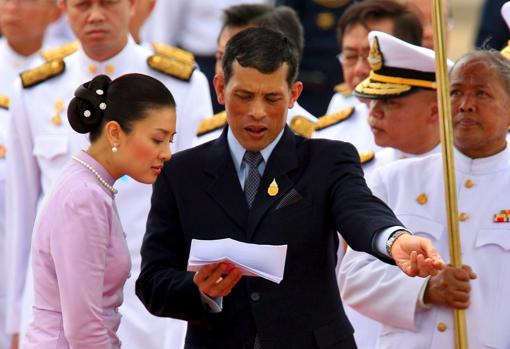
x=416, y=256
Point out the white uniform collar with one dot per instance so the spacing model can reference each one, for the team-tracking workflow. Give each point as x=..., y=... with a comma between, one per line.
x=14, y=60
x=490, y=164
x=113, y=66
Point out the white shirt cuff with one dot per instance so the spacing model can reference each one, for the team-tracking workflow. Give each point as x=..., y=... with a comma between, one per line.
x=383, y=236
x=420, y=304
x=213, y=305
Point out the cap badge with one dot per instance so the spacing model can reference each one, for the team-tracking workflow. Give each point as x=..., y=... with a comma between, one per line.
x=375, y=57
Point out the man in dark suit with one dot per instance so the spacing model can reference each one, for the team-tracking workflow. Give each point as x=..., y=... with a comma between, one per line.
x=318, y=189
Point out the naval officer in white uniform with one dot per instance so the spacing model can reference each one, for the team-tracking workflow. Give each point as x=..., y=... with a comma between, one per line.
x=41, y=141
x=417, y=314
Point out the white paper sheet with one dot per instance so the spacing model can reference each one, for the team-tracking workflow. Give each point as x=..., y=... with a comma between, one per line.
x=266, y=261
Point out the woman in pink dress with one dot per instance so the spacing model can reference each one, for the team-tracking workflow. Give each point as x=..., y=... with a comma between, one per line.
x=80, y=257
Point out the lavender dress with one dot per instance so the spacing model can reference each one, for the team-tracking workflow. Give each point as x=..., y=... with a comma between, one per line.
x=80, y=261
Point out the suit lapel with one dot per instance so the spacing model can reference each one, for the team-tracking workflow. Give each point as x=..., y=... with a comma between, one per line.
x=283, y=159
x=224, y=187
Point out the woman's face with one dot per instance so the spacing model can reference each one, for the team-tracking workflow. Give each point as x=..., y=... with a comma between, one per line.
x=143, y=151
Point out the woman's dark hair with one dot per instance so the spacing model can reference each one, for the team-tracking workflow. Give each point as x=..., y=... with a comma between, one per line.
x=124, y=100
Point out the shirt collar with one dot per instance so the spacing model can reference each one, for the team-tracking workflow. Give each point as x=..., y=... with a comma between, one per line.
x=237, y=151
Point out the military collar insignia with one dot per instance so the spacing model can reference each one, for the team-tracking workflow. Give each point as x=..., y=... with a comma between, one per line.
x=375, y=56
x=502, y=217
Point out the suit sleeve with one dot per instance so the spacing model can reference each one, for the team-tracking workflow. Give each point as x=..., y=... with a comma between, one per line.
x=23, y=189
x=358, y=215
x=79, y=248
x=164, y=286
x=378, y=290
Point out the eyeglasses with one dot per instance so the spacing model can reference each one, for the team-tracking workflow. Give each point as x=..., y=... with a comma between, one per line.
x=351, y=58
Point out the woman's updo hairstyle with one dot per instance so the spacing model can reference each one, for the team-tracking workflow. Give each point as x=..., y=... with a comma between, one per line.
x=124, y=100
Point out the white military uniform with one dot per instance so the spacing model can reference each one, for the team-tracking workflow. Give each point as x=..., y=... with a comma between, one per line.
x=340, y=101
x=41, y=142
x=215, y=132
x=414, y=190
x=354, y=129
x=11, y=64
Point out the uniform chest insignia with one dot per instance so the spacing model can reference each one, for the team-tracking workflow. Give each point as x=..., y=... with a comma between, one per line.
x=333, y=119
x=331, y=3
x=502, y=217
x=4, y=102
x=212, y=123
x=42, y=73
x=366, y=156
x=60, y=52
x=343, y=89
x=171, y=66
x=174, y=53
x=302, y=126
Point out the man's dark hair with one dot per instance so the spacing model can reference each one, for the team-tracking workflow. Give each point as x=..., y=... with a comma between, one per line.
x=406, y=25
x=243, y=15
x=286, y=20
x=262, y=49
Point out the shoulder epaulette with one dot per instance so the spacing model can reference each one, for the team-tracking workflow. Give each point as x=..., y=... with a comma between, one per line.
x=333, y=119
x=42, y=73
x=4, y=102
x=174, y=53
x=60, y=52
x=331, y=3
x=212, y=123
x=170, y=66
x=366, y=157
x=506, y=51
x=302, y=126
x=343, y=89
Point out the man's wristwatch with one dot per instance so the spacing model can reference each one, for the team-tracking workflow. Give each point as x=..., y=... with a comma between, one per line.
x=393, y=237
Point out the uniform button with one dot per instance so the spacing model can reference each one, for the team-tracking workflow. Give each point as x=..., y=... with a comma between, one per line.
x=463, y=216
x=255, y=296
x=56, y=120
x=110, y=69
x=469, y=184
x=441, y=327
x=92, y=68
x=3, y=151
x=422, y=199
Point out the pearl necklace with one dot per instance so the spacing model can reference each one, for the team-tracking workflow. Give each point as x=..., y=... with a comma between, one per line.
x=95, y=173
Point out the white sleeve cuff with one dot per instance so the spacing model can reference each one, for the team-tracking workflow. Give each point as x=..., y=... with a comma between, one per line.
x=213, y=305
x=383, y=236
x=420, y=303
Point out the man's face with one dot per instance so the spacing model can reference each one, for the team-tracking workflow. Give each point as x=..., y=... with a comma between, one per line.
x=256, y=103
x=480, y=108
x=355, y=49
x=26, y=20
x=401, y=123
x=225, y=36
x=102, y=26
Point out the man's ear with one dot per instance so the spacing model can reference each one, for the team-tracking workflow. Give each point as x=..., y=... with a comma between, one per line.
x=434, y=113
x=219, y=87
x=295, y=92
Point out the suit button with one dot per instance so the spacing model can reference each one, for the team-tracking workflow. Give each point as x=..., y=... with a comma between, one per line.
x=255, y=296
x=441, y=327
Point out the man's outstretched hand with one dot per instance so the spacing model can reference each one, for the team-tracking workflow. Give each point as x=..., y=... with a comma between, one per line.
x=416, y=256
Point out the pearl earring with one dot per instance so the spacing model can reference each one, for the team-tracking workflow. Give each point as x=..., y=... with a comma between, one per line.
x=114, y=148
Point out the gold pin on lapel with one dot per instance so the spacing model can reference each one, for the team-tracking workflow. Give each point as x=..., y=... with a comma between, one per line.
x=272, y=190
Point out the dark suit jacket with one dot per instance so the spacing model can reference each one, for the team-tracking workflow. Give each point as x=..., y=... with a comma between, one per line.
x=198, y=196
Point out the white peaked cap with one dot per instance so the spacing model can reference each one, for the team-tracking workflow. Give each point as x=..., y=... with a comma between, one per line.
x=398, y=68
x=505, y=13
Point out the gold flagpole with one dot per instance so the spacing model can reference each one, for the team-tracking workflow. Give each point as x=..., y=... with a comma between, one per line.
x=443, y=95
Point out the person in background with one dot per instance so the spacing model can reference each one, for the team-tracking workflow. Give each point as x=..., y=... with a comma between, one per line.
x=492, y=31
x=80, y=256
x=417, y=314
